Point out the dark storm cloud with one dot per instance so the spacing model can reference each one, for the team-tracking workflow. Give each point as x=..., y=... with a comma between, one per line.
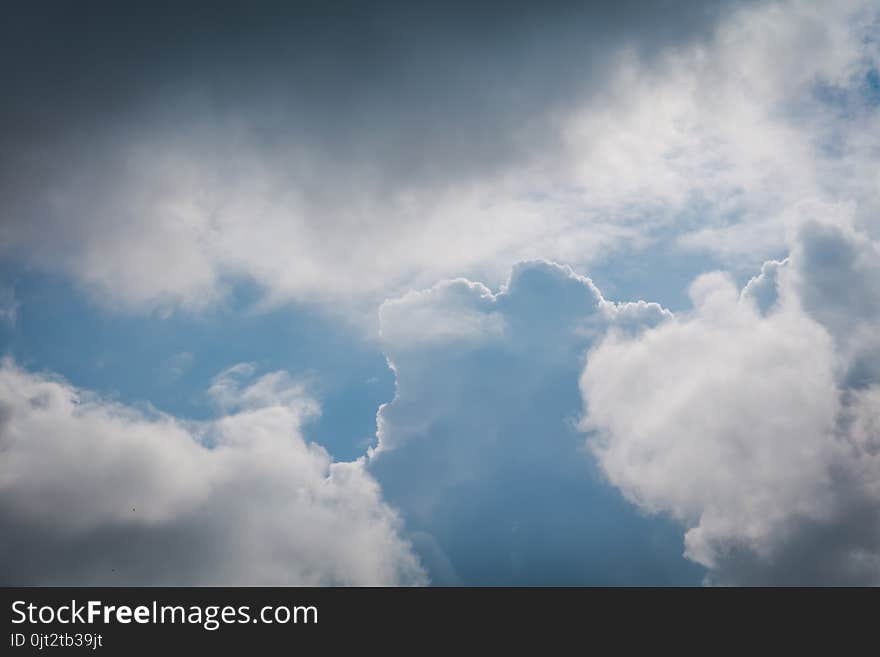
x=422, y=89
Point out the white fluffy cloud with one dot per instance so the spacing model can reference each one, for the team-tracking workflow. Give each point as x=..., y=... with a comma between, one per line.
x=742, y=419
x=92, y=492
x=719, y=418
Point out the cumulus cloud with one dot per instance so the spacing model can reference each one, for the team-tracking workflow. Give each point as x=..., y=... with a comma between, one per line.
x=479, y=448
x=742, y=418
x=98, y=493
x=450, y=311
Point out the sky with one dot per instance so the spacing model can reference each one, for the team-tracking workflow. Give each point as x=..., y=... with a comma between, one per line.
x=440, y=293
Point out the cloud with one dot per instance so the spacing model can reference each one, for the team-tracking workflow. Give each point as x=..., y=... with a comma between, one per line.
x=763, y=289
x=173, y=368
x=479, y=448
x=160, y=158
x=743, y=421
x=98, y=493
x=689, y=407
x=8, y=305
x=751, y=420
x=334, y=155
x=340, y=158
x=450, y=311
x=273, y=389
x=837, y=278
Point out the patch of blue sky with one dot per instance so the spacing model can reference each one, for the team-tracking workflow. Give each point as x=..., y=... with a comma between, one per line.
x=871, y=87
x=169, y=362
x=862, y=91
x=662, y=269
x=661, y=274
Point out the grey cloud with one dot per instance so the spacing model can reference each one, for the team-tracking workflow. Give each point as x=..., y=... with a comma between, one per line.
x=382, y=80
x=763, y=289
x=156, y=153
x=94, y=493
x=844, y=548
x=838, y=279
x=838, y=276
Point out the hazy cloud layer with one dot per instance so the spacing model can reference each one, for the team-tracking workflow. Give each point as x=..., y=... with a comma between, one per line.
x=8, y=305
x=95, y=493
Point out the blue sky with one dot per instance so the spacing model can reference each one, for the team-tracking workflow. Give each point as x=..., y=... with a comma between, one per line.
x=60, y=329
x=420, y=293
